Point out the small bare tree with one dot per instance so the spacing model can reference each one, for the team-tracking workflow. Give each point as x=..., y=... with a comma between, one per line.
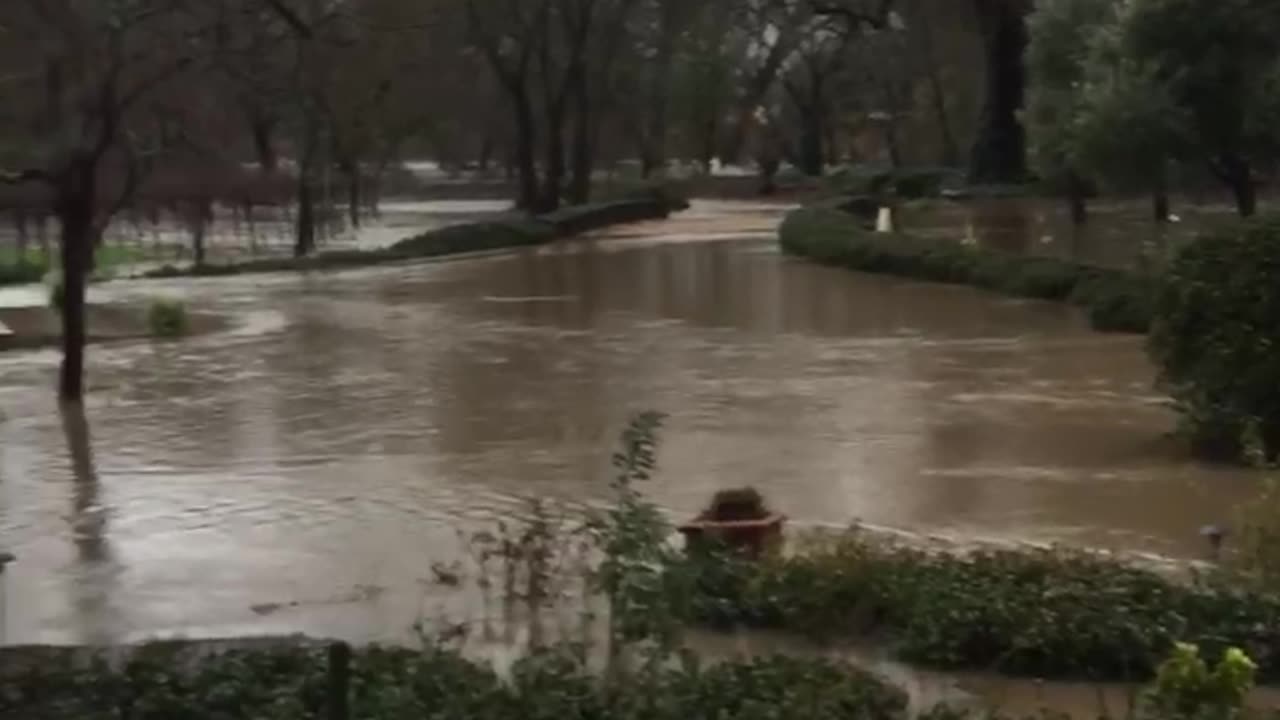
x=84, y=93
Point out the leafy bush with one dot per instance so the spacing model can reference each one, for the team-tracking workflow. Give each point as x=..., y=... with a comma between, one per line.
x=1114, y=300
x=1186, y=689
x=291, y=684
x=1042, y=613
x=1217, y=321
x=167, y=319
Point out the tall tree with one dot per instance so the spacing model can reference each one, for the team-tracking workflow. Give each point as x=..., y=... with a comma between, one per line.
x=1000, y=149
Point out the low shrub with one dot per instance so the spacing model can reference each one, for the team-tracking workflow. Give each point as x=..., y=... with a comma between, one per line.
x=575, y=220
x=21, y=272
x=167, y=319
x=487, y=235
x=1043, y=613
x=552, y=684
x=1114, y=300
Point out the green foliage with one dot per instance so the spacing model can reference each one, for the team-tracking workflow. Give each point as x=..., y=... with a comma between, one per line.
x=1217, y=321
x=167, y=319
x=1115, y=301
x=22, y=271
x=290, y=684
x=642, y=575
x=1186, y=689
x=1042, y=613
x=1060, y=34
x=1217, y=65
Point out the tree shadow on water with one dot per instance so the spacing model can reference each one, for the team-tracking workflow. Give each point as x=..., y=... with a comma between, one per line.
x=93, y=584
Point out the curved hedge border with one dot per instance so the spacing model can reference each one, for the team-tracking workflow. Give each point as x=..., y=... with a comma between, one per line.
x=1116, y=301
x=1049, y=614
x=503, y=233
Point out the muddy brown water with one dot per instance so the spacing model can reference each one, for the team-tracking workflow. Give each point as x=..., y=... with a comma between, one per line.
x=301, y=471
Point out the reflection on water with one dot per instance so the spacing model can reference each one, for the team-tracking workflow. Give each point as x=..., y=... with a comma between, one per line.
x=1118, y=233
x=315, y=459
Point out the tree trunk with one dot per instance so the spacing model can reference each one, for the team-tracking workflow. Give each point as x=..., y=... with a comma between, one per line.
x=583, y=161
x=950, y=148
x=264, y=144
x=20, y=224
x=1160, y=198
x=891, y=142
x=75, y=212
x=812, y=141
x=1238, y=176
x=198, y=228
x=351, y=173
x=999, y=150
x=553, y=180
x=1076, y=200
x=526, y=139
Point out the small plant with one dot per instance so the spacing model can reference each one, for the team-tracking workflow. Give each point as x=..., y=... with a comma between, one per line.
x=736, y=504
x=1186, y=689
x=167, y=319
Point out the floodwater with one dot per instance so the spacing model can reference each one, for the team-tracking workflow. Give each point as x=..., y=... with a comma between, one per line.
x=303, y=470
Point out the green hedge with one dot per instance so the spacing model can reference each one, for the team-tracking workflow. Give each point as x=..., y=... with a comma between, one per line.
x=291, y=684
x=1114, y=300
x=1042, y=613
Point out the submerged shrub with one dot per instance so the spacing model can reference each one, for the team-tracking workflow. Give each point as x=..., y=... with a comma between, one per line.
x=167, y=319
x=1217, y=320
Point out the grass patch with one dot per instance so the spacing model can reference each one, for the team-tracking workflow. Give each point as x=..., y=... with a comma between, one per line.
x=1051, y=614
x=1115, y=301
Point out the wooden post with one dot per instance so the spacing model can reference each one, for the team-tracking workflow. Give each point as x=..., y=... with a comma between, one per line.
x=339, y=681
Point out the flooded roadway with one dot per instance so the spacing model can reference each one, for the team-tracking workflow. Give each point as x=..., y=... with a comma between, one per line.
x=302, y=471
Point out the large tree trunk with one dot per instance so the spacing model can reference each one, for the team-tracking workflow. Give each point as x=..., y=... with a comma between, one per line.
x=75, y=209
x=999, y=151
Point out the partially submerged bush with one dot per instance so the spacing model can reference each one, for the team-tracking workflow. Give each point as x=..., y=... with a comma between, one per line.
x=1217, y=322
x=167, y=319
x=1114, y=300
x=736, y=504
